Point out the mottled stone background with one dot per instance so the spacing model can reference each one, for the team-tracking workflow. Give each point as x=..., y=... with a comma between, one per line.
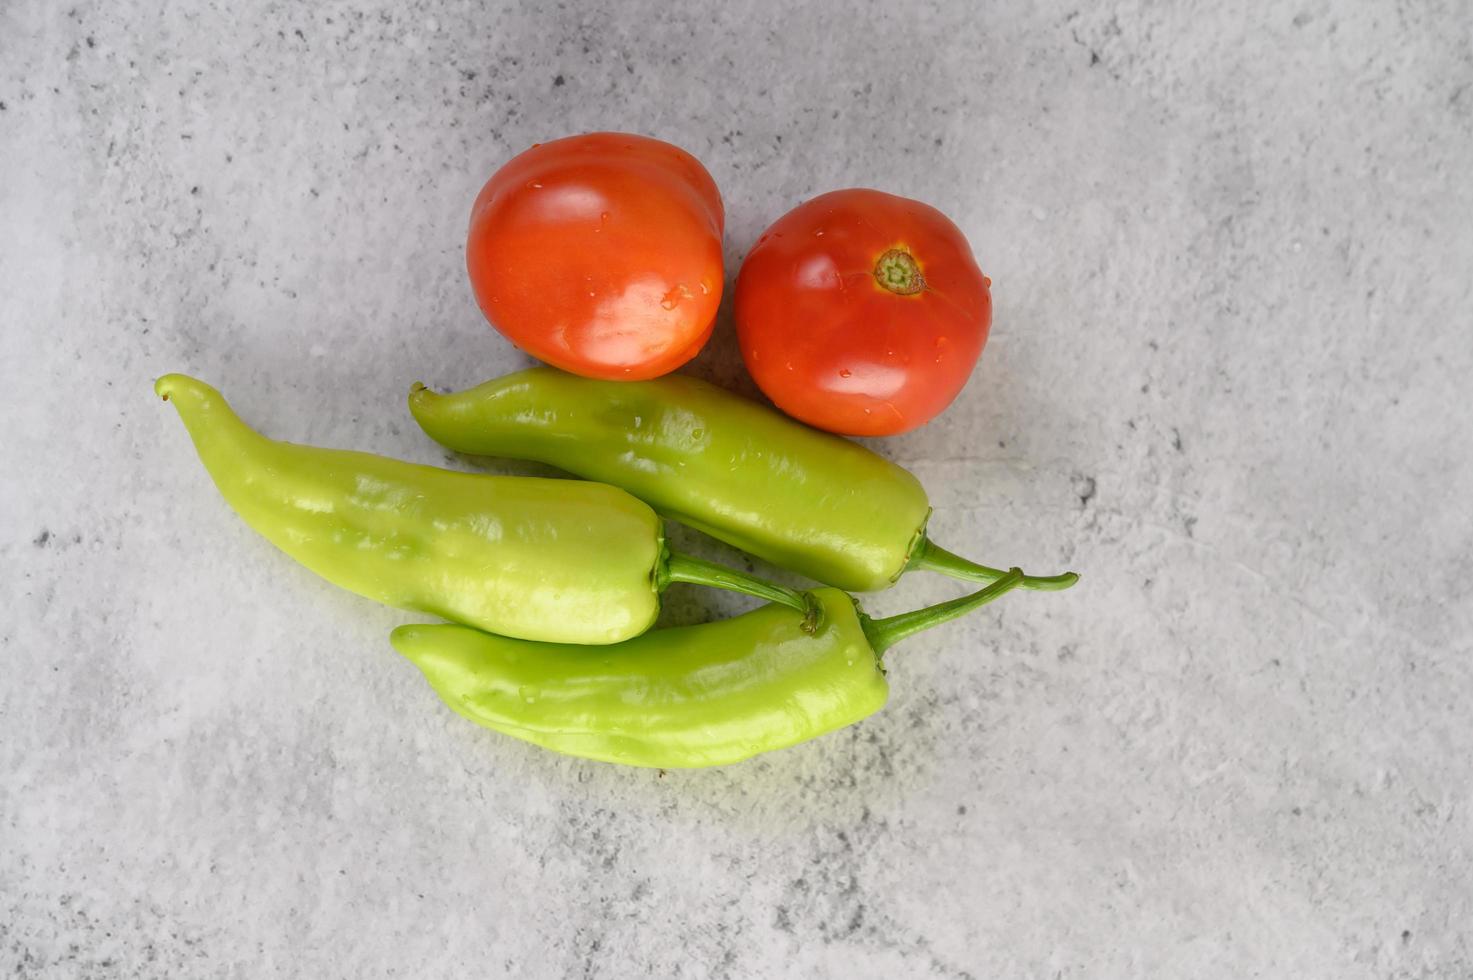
x=1228, y=382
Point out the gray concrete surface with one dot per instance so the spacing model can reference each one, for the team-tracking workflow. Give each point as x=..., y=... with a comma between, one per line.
x=1228, y=382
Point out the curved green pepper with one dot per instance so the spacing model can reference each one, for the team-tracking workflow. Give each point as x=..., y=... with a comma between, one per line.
x=802, y=499
x=692, y=696
x=557, y=560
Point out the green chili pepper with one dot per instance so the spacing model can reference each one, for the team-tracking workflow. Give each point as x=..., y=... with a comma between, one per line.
x=679, y=698
x=558, y=560
x=802, y=499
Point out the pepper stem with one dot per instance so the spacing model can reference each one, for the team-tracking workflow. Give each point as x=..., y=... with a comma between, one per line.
x=885, y=633
x=930, y=556
x=698, y=571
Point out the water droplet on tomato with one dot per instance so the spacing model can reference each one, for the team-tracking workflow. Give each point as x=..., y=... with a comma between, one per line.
x=533, y=185
x=818, y=233
x=867, y=411
x=845, y=372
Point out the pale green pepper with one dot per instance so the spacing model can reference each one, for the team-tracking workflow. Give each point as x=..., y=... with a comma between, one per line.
x=556, y=560
x=806, y=500
x=692, y=696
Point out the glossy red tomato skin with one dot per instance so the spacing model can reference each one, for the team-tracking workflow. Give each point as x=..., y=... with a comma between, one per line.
x=833, y=347
x=600, y=254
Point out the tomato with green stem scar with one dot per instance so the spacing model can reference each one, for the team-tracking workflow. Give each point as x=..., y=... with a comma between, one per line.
x=862, y=313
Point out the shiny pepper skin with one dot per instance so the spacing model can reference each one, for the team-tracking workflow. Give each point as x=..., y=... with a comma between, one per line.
x=805, y=500
x=690, y=696
x=802, y=499
x=686, y=697
x=543, y=559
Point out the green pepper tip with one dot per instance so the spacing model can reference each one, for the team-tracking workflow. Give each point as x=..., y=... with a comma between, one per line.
x=402, y=638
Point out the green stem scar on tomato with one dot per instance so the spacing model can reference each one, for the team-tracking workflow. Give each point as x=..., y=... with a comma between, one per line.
x=687, y=697
x=862, y=313
x=558, y=560
x=897, y=271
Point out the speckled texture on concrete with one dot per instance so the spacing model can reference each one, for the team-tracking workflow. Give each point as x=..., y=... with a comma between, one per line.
x=1227, y=382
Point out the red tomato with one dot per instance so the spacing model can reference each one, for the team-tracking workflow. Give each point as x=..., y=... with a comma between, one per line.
x=862, y=312
x=600, y=254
